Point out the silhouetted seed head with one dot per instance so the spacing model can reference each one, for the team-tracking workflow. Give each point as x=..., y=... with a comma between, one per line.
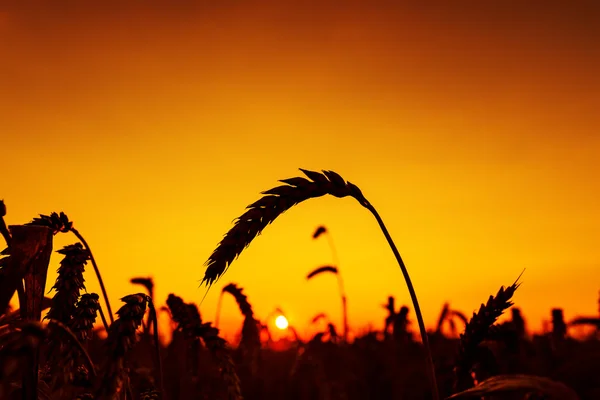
x=240, y=298
x=148, y=283
x=121, y=338
x=84, y=316
x=318, y=317
x=459, y=315
x=56, y=222
x=317, y=338
x=320, y=230
x=189, y=321
x=559, y=328
x=476, y=331
x=250, y=342
x=2, y=208
x=320, y=270
x=264, y=211
x=220, y=350
x=69, y=282
x=187, y=316
x=332, y=332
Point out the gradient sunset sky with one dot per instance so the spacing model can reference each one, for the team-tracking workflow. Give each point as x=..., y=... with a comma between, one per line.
x=472, y=128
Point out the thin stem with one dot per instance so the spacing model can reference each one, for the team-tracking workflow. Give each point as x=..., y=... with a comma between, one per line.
x=341, y=286
x=334, y=255
x=157, y=345
x=336, y=262
x=109, y=310
x=413, y=297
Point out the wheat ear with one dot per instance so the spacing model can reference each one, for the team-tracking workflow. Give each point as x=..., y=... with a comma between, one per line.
x=121, y=338
x=281, y=198
x=60, y=223
x=250, y=342
x=476, y=332
x=68, y=283
x=189, y=321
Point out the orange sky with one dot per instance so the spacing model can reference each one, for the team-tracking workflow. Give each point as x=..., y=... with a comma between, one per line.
x=474, y=130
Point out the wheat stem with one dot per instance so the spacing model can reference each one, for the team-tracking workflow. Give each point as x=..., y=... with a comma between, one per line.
x=104, y=294
x=413, y=296
x=342, y=290
x=280, y=199
x=154, y=319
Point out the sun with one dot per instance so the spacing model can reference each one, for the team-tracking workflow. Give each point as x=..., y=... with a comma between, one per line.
x=281, y=322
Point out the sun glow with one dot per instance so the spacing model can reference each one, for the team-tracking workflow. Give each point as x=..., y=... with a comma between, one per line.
x=281, y=322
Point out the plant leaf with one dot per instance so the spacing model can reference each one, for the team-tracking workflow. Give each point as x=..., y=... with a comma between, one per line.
x=519, y=383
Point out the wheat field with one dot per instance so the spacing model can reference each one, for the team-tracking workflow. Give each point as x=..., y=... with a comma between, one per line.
x=69, y=345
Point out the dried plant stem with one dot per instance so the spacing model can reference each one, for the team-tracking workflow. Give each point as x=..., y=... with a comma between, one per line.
x=100, y=281
x=281, y=198
x=341, y=286
x=154, y=319
x=336, y=262
x=413, y=297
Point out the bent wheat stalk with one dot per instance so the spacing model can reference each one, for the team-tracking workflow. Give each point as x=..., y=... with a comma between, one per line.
x=337, y=273
x=322, y=230
x=281, y=198
x=60, y=223
x=477, y=330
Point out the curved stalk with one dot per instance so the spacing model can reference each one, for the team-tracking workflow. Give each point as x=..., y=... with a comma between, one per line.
x=336, y=262
x=278, y=200
x=413, y=297
x=154, y=319
x=108, y=309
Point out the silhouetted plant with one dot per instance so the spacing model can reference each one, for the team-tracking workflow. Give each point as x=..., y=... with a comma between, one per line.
x=84, y=316
x=559, y=328
x=320, y=231
x=250, y=342
x=3, y=228
x=190, y=323
x=60, y=223
x=121, y=338
x=69, y=282
x=278, y=200
x=476, y=332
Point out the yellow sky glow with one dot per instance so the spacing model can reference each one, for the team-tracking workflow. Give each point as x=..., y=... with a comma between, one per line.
x=474, y=132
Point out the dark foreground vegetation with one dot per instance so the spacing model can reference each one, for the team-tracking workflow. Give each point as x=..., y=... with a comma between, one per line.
x=62, y=357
